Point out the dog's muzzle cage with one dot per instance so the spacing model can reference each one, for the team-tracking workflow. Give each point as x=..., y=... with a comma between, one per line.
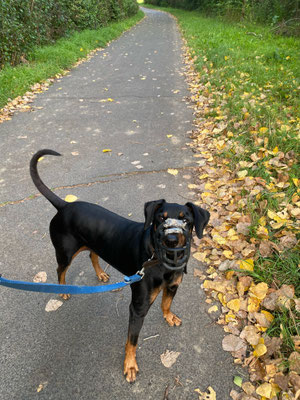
x=173, y=258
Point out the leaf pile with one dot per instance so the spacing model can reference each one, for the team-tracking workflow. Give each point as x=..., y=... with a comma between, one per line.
x=255, y=210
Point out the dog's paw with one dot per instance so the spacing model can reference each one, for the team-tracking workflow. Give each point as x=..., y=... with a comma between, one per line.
x=172, y=319
x=130, y=370
x=103, y=276
x=65, y=296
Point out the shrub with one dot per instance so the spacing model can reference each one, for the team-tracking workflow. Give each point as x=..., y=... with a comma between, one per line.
x=28, y=23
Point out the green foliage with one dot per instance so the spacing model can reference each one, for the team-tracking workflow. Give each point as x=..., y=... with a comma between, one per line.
x=284, y=15
x=49, y=60
x=25, y=24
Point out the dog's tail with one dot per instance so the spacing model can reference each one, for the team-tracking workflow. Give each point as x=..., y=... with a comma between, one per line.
x=56, y=201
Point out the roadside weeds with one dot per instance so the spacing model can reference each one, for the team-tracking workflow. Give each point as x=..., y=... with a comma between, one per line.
x=246, y=143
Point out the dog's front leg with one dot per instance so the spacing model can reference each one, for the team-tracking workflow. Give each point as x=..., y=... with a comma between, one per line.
x=138, y=309
x=167, y=298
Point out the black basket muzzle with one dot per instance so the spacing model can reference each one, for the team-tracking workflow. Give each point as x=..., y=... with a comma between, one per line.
x=173, y=258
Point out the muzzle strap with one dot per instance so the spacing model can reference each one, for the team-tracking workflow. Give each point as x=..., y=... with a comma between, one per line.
x=173, y=258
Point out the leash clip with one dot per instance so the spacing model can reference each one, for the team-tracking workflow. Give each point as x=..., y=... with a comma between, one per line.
x=141, y=273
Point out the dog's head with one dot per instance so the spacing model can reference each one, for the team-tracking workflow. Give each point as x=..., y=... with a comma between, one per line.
x=172, y=226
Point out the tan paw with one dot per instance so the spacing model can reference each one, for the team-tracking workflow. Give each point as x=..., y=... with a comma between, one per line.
x=130, y=370
x=65, y=296
x=103, y=277
x=172, y=319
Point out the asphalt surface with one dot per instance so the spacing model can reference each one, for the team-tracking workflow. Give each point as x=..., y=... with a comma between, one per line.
x=76, y=352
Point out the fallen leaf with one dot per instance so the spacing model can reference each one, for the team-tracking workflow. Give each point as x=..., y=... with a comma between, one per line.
x=260, y=290
x=70, y=198
x=260, y=350
x=234, y=305
x=251, y=334
x=172, y=171
x=265, y=248
x=247, y=265
x=294, y=362
x=248, y=388
x=53, y=305
x=106, y=150
x=212, y=309
x=210, y=395
x=238, y=381
x=168, y=358
x=199, y=256
x=40, y=277
x=233, y=343
x=265, y=390
x=41, y=386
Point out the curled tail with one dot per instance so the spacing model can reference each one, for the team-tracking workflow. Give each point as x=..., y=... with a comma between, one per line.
x=56, y=201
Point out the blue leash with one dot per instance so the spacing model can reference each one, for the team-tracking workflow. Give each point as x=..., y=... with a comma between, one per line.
x=69, y=289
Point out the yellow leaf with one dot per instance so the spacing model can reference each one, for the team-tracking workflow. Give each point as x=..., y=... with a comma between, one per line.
x=40, y=159
x=260, y=350
x=228, y=254
x=173, y=171
x=263, y=129
x=262, y=221
x=207, y=396
x=106, y=150
x=234, y=305
x=268, y=315
x=221, y=299
x=260, y=290
x=240, y=288
x=296, y=182
x=265, y=390
x=247, y=265
x=70, y=198
x=199, y=256
x=262, y=232
x=217, y=286
x=219, y=239
x=242, y=174
x=272, y=214
x=253, y=304
x=212, y=309
x=110, y=99
x=229, y=275
x=229, y=317
x=169, y=136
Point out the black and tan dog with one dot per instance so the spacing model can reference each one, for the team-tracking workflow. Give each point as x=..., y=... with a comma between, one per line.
x=165, y=238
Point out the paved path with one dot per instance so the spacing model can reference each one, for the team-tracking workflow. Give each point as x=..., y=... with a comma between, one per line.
x=77, y=351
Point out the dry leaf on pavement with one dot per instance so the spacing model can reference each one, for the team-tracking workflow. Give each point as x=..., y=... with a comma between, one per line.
x=168, y=358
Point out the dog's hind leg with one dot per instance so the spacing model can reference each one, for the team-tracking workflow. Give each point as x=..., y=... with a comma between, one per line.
x=64, y=260
x=102, y=276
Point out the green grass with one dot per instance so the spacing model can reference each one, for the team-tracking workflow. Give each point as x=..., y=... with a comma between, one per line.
x=252, y=79
x=48, y=61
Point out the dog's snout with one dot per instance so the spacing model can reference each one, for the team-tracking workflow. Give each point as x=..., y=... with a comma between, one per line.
x=171, y=240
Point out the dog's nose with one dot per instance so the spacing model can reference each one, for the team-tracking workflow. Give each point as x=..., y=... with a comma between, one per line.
x=171, y=240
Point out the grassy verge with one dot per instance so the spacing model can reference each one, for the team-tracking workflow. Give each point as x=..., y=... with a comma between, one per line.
x=47, y=61
x=245, y=88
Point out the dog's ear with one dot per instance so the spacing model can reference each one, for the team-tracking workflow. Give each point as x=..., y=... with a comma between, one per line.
x=201, y=218
x=149, y=211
